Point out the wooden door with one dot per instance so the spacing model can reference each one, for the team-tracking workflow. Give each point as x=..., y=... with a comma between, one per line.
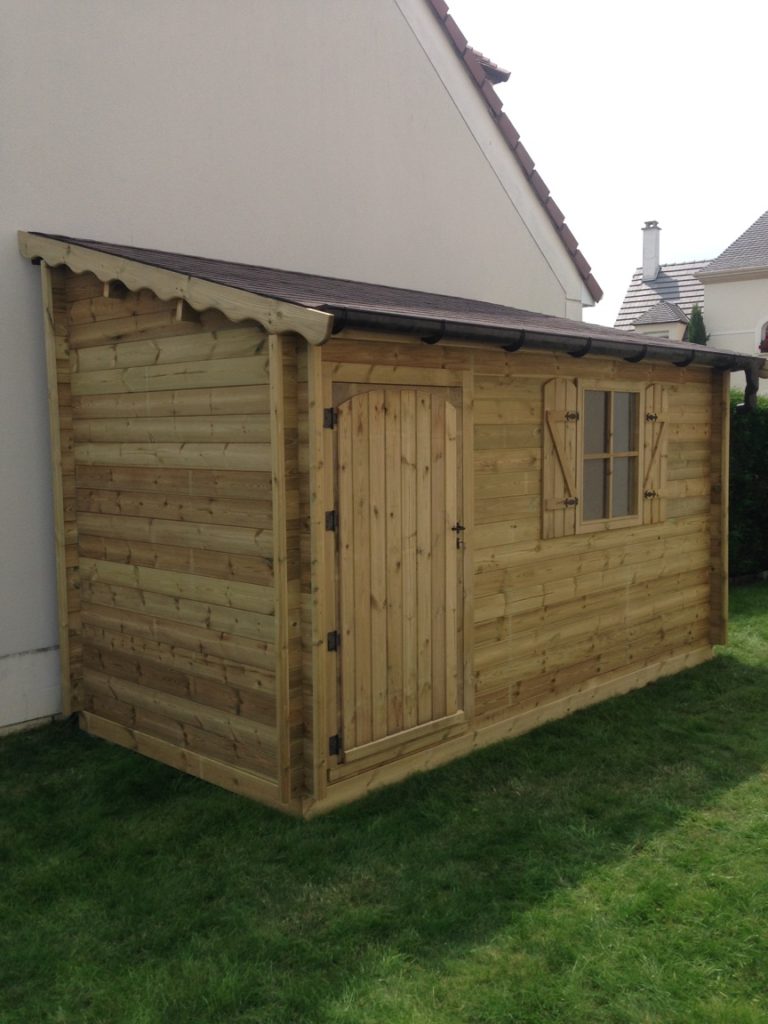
x=398, y=505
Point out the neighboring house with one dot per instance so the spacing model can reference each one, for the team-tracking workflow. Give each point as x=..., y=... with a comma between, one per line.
x=736, y=295
x=660, y=296
x=360, y=139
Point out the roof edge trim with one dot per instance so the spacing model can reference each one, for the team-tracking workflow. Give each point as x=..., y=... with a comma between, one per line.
x=734, y=274
x=276, y=316
x=640, y=346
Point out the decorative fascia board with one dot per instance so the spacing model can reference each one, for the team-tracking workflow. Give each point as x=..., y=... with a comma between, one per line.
x=275, y=315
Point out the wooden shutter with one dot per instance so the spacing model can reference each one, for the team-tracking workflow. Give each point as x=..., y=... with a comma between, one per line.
x=654, y=453
x=560, y=458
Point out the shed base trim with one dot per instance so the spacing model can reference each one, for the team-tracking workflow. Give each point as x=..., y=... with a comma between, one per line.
x=354, y=788
x=228, y=777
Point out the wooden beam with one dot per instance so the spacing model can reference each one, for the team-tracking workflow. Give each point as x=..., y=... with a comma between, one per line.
x=275, y=315
x=280, y=563
x=59, y=526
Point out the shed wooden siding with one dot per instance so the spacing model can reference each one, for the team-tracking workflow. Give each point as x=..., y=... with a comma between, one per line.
x=557, y=623
x=172, y=515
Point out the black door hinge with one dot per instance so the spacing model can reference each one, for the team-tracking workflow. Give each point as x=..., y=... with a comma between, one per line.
x=330, y=417
x=333, y=640
x=572, y=417
x=334, y=745
x=332, y=520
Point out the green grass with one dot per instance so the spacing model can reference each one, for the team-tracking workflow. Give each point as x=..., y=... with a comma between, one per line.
x=612, y=867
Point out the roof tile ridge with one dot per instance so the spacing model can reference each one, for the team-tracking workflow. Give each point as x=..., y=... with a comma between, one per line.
x=512, y=137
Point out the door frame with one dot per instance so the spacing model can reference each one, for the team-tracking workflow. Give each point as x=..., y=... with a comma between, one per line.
x=457, y=385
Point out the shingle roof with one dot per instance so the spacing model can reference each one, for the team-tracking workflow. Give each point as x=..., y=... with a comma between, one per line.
x=339, y=297
x=481, y=71
x=663, y=313
x=675, y=283
x=749, y=251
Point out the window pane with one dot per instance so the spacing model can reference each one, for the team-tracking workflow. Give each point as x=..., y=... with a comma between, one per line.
x=595, y=477
x=624, y=487
x=624, y=421
x=595, y=421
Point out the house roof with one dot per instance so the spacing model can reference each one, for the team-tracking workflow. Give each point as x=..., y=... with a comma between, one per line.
x=675, y=283
x=748, y=252
x=485, y=74
x=663, y=313
x=317, y=306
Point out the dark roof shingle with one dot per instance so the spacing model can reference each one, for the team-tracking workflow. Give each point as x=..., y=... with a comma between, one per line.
x=749, y=251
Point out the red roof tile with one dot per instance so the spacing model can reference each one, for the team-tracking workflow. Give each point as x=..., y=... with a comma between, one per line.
x=485, y=73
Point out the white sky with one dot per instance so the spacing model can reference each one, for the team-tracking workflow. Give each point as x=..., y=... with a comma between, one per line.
x=635, y=112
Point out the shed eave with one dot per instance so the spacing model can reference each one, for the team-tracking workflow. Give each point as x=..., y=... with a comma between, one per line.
x=276, y=316
x=630, y=346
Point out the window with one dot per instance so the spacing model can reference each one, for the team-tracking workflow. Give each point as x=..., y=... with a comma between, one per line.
x=610, y=455
x=604, y=456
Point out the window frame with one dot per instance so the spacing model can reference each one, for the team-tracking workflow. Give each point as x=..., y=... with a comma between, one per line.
x=612, y=522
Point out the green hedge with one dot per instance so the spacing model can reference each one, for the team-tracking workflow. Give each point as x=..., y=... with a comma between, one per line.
x=748, y=536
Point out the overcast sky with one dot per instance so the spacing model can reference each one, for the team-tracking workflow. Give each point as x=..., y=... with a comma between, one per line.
x=635, y=112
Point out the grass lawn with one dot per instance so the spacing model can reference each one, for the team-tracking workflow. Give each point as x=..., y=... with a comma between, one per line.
x=612, y=867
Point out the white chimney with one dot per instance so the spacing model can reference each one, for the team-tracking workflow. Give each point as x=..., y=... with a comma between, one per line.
x=651, y=264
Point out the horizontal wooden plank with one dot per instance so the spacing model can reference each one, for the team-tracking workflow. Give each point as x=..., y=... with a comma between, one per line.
x=505, y=435
x=217, y=483
x=516, y=555
x=244, y=429
x=236, y=343
x=251, y=400
x=255, y=735
x=241, y=650
x=507, y=409
x=256, y=457
x=211, y=537
x=410, y=376
x=128, y=327
x=98, y=306
x=105, y=642
x=510, y=531
x=566, y=643
x=172, y=376
x=230, y=777
x=406, y=352
x=228, y=593
x=234, y=622
x=249, y=702
x=225, y=511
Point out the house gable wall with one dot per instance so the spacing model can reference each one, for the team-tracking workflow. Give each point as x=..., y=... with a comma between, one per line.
x=302, y=135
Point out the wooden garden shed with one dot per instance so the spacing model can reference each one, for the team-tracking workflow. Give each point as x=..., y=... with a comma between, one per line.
x=314, y=535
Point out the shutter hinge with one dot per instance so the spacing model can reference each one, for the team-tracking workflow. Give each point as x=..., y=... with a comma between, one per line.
x=334, y=745
x=330, y=417
x=333, y=640
x=571, y=417
x=332, y=520
x=651, y=417
x=571, y=502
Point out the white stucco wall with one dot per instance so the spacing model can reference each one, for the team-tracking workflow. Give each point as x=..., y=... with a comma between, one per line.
x=341, y=138
x=735, y=311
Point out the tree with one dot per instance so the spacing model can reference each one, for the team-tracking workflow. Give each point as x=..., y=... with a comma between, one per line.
x=697, y=332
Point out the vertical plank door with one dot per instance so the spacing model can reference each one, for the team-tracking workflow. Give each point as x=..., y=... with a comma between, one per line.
x=398, y=549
